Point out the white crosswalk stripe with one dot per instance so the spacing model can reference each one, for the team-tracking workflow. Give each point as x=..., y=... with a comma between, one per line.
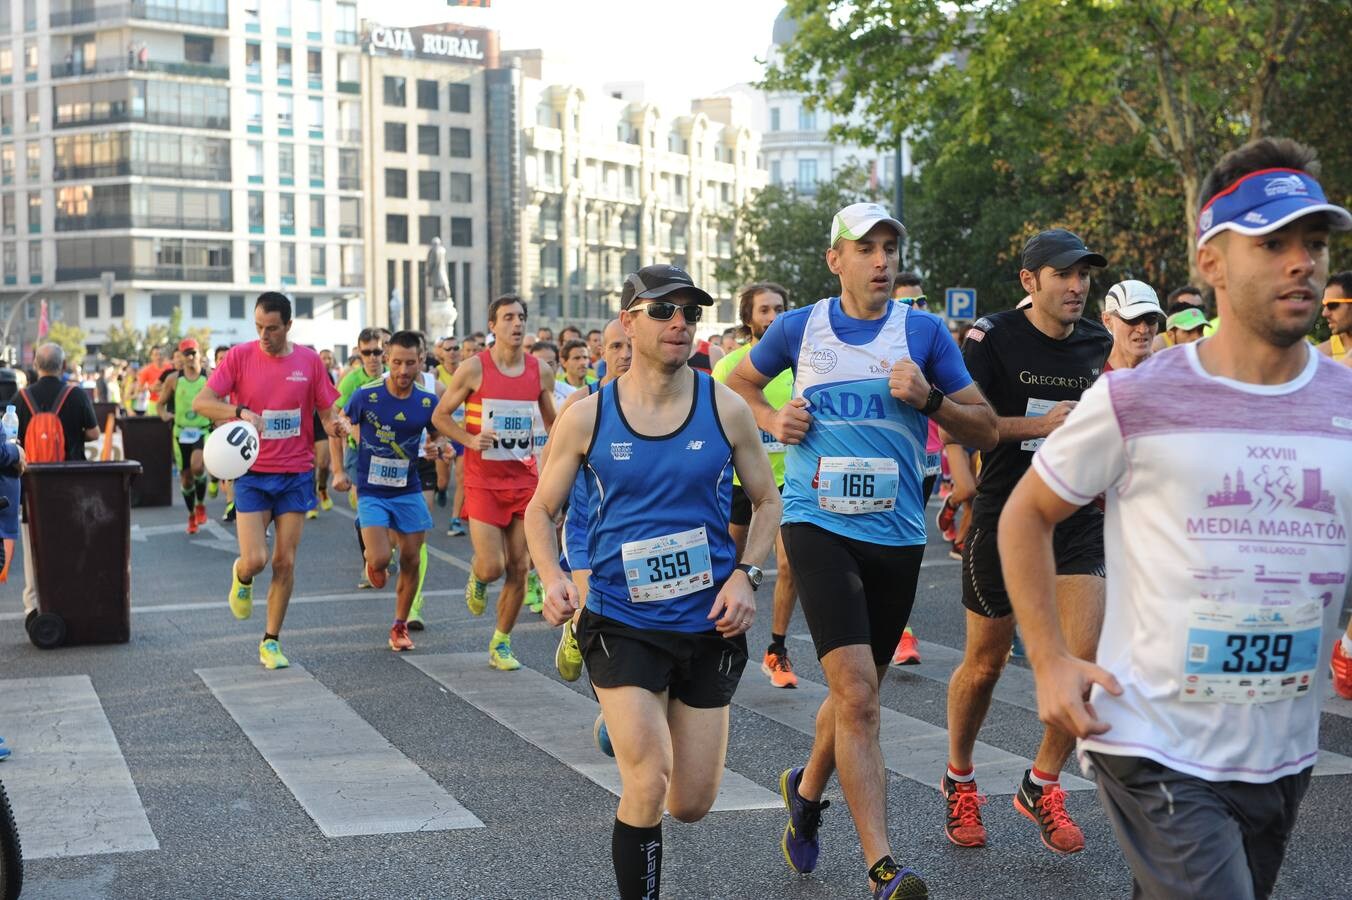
x=341, y=770
x=67, y=780
x=556, y=719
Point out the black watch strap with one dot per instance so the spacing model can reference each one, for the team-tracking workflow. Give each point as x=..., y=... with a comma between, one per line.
x=933, y=402
x=239, y=411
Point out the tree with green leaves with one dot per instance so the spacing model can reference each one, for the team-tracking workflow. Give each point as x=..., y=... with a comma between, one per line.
x=1102, y=117
x=782, y=235
x=70, y=339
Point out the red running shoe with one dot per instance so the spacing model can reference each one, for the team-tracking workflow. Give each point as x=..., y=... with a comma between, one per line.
x=1047, y=807
x=399, y=639
x=964, y=826
x=908, y=650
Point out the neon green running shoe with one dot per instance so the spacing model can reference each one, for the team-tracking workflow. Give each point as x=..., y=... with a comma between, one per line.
x=500, y=657
x=568, y=657
x=535, y=595
x=476, y=594
x=241, y=596
x=270, y=655
x=415, y=619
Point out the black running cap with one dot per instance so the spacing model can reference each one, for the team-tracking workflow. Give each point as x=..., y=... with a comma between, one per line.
x=652, y=282
x=1059, y=249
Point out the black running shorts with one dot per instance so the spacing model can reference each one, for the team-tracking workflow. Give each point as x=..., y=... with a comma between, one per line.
x=1077, y=544
x=851, y=591
x=701, y=669
x=741, y=506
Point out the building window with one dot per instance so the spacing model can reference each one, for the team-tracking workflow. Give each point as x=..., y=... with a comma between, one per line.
x=255, y=110
x=340, y=312
x=253, y=161
x=255, y=268
x=427, y=94
x=256, y=211
x=429, y=140
x=396, y=183
x=253, y=61
x=237, y=300
x=459, y=96
x=428, y=228
x=318, y=264
x=199, y=306
x=396, y=89
x=35, y=262
x=305, y=307
x=462, y=232
x=34, y=151
x=314, y=66
x=314, y=19
x=461, y=188
x=316, y=124
x=34, y=212
x=429, y=185
x=286, y=163
x=284, y=64
x=286, y=213
x=162, y=306
x=286, y=112
x=7, y=215
x=316, y=214
x=396, y=229
x=11, y=265
x=774, y=118
x=91, y=306
x=460, y=143
x=32, y=110
x=346, y=32
x=775, y=176
x=289, y=263
x=396, y=137
x=316, y=166
x=117, y=306
x=807, y=119
x=349, y=217
x=807, y=174
x=349, y=169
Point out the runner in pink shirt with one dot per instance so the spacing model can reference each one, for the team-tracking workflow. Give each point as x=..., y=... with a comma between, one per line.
x=277, y=387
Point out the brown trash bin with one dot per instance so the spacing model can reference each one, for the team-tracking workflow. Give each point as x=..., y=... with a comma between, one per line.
x=149, y=441
x=79, y=526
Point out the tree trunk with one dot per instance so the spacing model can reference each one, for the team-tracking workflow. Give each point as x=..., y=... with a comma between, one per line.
x=1192, y=185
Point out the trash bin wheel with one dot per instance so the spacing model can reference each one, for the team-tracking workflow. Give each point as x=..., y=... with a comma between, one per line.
x=28, y=622
x=47, y=631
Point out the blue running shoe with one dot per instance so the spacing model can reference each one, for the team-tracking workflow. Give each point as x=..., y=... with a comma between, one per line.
x=1016, y=648
x=800, y=843
x=893, y=882
x=602, y=736
x=4, y=751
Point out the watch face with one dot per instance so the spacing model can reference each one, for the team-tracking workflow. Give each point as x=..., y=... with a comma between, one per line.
x=756, y=575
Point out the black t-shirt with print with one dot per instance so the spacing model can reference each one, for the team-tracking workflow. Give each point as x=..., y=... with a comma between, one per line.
x=1024, y=372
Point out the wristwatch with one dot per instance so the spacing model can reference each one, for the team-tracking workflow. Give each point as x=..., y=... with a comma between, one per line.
x=753, y=574
x=933, y=401
x=239, y=411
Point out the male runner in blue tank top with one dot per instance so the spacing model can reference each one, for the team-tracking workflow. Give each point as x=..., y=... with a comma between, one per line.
x=663, y=631
x=867, y=373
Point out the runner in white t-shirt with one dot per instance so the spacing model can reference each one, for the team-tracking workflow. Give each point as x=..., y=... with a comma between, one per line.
x=1226, y=530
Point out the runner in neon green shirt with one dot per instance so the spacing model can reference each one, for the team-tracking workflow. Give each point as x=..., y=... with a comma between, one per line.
x=190, y=431
x=760, y=304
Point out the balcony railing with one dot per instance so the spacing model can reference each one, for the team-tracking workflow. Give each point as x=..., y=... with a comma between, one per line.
x=139, y=9
x=120, y=114
x=149, y=169
x=118, y=65
x=99, y=221
x=148, y=273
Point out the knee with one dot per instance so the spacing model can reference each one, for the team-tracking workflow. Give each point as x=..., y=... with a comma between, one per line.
x=487, y=568
x=283, y=565
x=516, y=569
x=648, y=788
x=856, y=705
x=251, y=562
x=690, y=809
x=410, y=560
x=378, y=558
x=982, y=672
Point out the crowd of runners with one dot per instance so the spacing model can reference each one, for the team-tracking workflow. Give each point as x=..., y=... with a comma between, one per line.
x=630, y=483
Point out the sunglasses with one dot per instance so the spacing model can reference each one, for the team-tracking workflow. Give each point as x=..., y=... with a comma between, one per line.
x=1335, y=304
x=918, y=302
x=663, y=311
x=376, y=352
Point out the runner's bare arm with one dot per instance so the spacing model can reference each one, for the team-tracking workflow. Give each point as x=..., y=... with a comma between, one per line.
x=1022, y=428
x=332, y=419
x=735, y=607
x=167, y=390
x=1025, y=539
x=574, y=397
x=208, y=403
x=965, y=414
x=466, y=380
x=547, y=398
x=569, y=439
x=789, y=423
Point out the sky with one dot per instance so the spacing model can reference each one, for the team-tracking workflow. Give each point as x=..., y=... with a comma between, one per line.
x=680, y=49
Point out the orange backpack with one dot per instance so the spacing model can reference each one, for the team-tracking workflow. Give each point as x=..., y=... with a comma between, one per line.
x=44, y=440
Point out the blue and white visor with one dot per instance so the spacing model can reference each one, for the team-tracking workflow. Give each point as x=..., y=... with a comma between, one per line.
x=1266, y=200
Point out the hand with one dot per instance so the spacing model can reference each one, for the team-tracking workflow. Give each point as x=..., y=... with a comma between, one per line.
x=340, y=482
x=561, y=601
x=907, y=383
x=792, y=421
x=253, y=419
x=1056, y=416
x=22, y=464
x=338, y=425
x=1063, y=686
x=484, y=440
x=735, y=606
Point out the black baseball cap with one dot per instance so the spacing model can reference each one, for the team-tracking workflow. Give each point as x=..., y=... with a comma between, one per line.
x=652, y=282
x=1059, y=249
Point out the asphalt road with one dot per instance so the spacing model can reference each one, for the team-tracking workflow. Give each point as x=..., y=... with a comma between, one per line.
x=197, y=788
